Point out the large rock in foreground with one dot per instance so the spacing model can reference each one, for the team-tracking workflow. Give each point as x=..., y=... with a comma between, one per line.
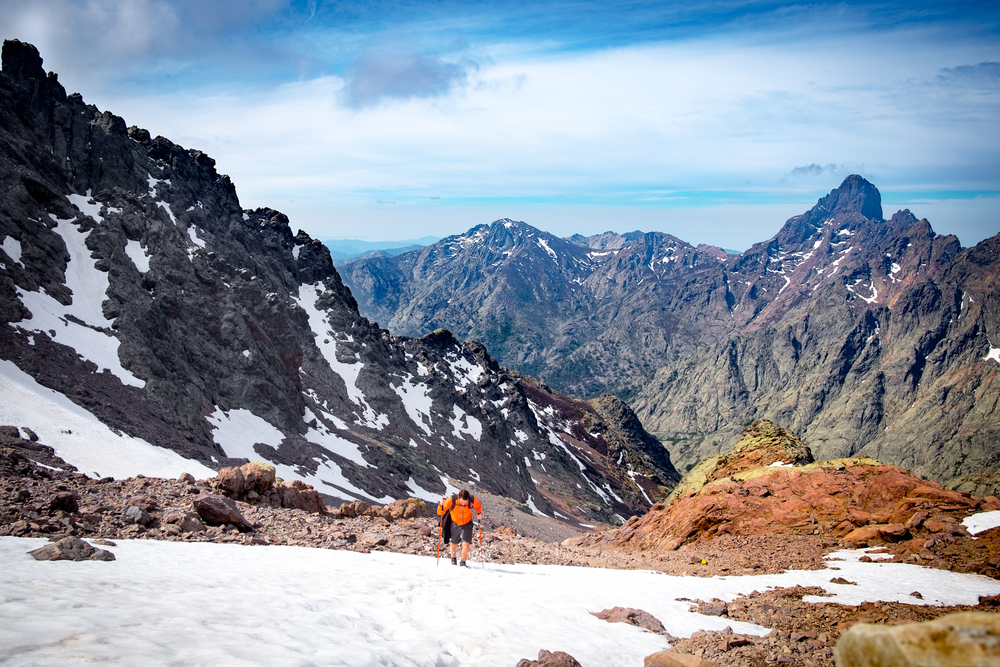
x=969, y=639
x=218, y=510
x=70, y=548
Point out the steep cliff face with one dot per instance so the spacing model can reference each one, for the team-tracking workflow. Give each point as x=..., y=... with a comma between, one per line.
x=133, y=283
x=862, y=334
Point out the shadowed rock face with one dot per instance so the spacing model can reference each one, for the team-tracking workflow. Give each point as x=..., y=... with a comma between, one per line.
x=862, y=334
x=196, y=314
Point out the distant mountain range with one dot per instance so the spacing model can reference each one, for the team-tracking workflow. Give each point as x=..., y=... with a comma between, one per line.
x=136, y=291
x=862, y=334
x=345, y=250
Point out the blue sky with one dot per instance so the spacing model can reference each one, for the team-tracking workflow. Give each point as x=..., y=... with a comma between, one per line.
x=714, y=121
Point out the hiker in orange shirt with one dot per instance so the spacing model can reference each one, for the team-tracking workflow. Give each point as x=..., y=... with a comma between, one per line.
x=459, y=510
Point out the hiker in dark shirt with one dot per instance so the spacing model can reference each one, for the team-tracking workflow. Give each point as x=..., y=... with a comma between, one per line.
x=457, y=510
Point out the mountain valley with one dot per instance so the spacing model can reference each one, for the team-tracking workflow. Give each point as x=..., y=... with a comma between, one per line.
x=135, y=288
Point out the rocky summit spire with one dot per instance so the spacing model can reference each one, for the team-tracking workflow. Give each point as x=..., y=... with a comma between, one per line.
x=855, y=195
x=21, y=60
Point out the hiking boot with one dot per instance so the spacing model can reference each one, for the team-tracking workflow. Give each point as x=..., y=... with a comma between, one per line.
x=454, y=561
x=463, y=564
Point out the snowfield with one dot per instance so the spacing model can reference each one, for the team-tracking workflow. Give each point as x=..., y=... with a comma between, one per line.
x=211, y=604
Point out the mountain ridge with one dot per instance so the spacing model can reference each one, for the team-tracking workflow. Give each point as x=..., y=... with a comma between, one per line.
x=843, y=326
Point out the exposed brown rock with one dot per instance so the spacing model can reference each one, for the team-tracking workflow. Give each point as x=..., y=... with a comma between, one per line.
x=547, y=659
x=218, y=510
x=638, y=617
x=349, y=510
x=298, y=495
x=255, y=482
x=743, y=494
x=186, y=522
x=64, y=501
x=968, y=639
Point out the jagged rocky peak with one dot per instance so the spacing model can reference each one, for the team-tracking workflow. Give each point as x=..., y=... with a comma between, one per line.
x=855, y=204
x=855, y=195
x=606, y=240
x=22, y=61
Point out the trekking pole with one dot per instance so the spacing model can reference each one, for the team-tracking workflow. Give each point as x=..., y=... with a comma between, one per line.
x=482, y=558
x=440, y=529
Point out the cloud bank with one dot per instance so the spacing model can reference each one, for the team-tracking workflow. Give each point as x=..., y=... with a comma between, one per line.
x=585, y=115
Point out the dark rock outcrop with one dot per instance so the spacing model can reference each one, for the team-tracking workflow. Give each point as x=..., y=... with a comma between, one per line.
x=218, y=510
x=70, y=548
x=637, y=617
x=134, y=514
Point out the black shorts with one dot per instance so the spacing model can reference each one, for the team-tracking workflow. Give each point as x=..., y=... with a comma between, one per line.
x=461, y=533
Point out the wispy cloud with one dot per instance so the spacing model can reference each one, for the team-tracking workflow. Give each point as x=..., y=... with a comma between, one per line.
x=984, y=74
x=400, y=72
x=813, y=170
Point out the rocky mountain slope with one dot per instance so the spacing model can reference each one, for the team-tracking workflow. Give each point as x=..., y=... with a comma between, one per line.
x=134, y=284
x=588, y=315
x=770, y=485
x=863, y=334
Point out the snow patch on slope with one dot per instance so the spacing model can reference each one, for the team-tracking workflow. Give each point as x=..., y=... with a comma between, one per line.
x=79, y=437
x=465, y=423
x=87, y=205
x=326, y=340
x=89, y=287
x=138, y=256
x=464, y=371
x=12, y=247
x=417, y=402
x=194, y=237
x=978, y=523
x=542, y=243
x=993, y=354
x=237, y=431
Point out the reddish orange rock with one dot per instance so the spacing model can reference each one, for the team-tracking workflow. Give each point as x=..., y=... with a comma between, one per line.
x=753, y=491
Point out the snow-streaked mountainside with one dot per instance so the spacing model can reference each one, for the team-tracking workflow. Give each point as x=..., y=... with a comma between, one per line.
x=862, y=334
x=403, y=610
x=154, y=326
